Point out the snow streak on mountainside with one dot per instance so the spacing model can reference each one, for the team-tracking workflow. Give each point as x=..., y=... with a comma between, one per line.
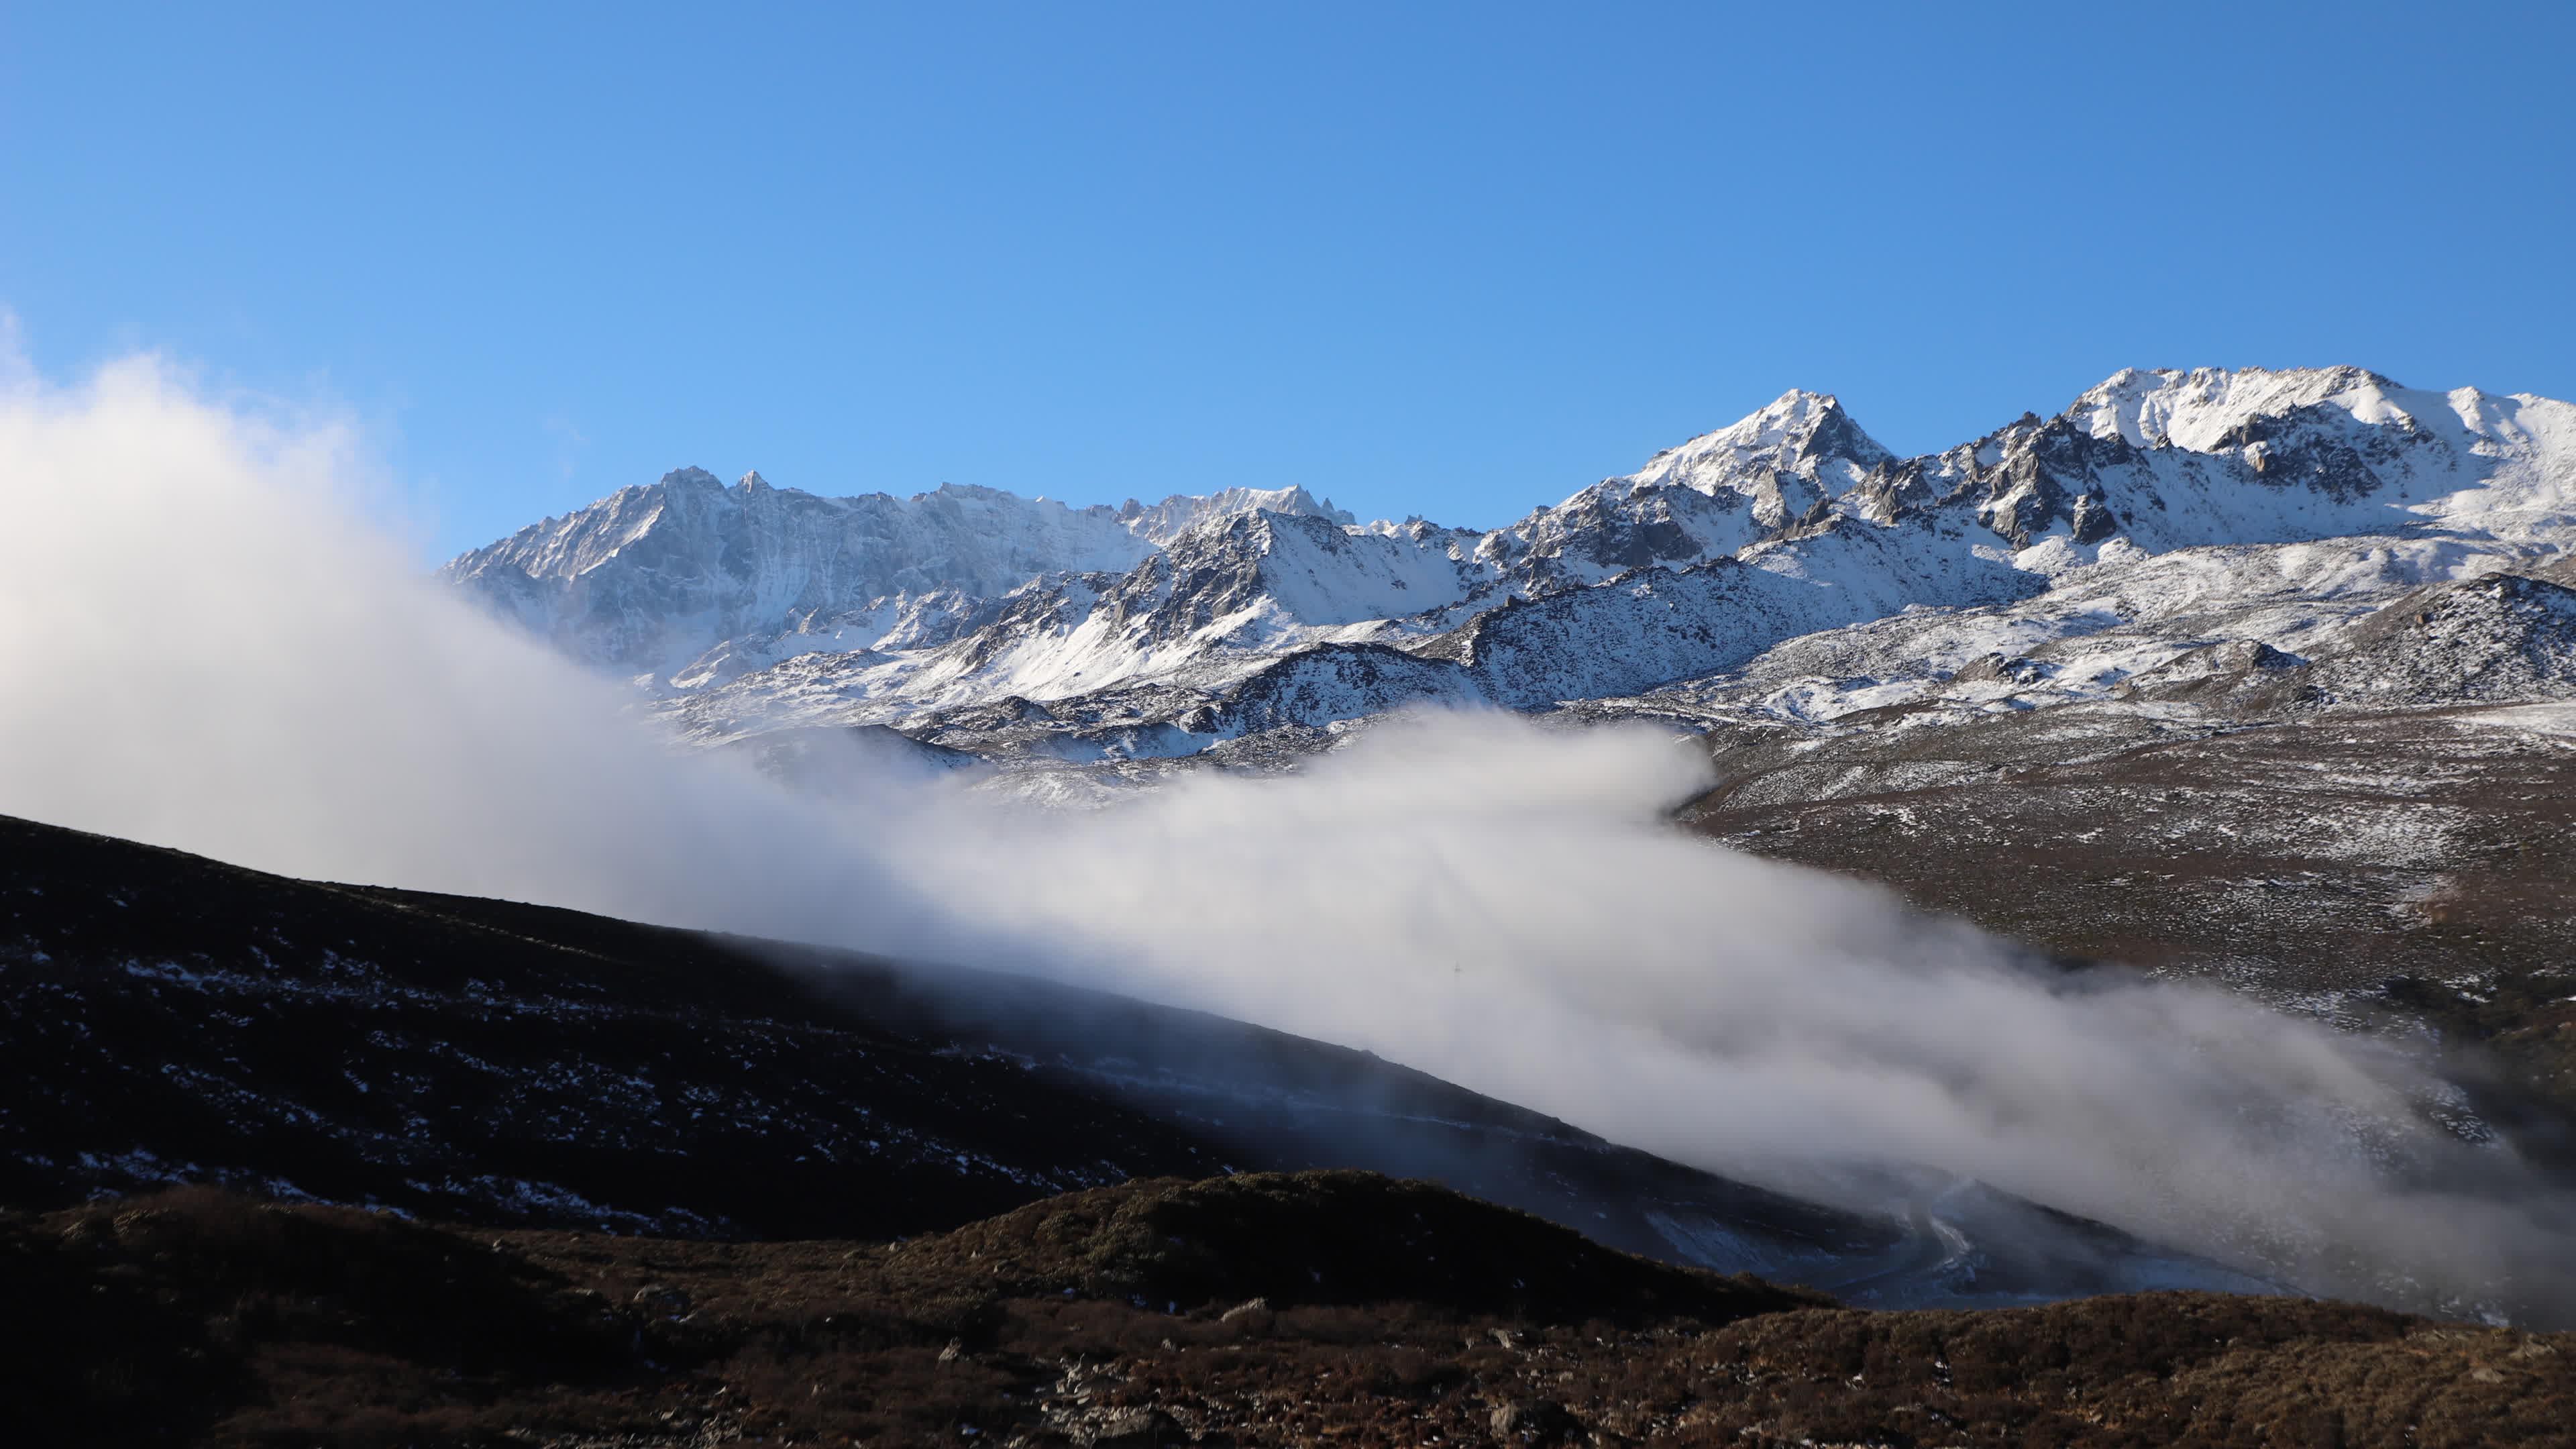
x=1141, y=633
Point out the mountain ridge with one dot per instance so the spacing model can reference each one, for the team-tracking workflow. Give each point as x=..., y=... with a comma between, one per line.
x=1788, y=522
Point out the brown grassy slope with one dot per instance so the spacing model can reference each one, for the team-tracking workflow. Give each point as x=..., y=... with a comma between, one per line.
x=1397, y=1314
x=2406, y=865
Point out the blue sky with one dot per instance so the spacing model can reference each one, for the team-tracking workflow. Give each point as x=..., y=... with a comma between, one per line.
x=1449, y=260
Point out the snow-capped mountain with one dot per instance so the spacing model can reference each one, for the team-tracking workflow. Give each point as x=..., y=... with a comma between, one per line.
x=2176, y=460
x=1164, y=631
x=1717, y=494
x=651, y=578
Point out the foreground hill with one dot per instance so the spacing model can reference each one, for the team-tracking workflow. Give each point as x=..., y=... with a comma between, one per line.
x=1259, y=1310
x=166, y=1019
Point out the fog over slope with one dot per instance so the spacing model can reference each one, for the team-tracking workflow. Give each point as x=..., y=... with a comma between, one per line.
x=207, y=646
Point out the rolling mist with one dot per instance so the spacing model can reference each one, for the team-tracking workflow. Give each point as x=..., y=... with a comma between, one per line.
x=205, y=643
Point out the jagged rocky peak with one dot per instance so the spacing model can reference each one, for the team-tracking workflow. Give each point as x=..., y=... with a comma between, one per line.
x=1784, y=466
x=1804, y=435
x=2206, y=409
x=657, y=575
x=2175, y=459
x=1168, y=520
x=1315, y=571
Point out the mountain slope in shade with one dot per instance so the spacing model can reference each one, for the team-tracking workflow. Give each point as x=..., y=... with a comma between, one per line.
x=166, y=1019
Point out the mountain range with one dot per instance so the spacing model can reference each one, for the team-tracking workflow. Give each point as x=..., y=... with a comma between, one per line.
x=2159, y=514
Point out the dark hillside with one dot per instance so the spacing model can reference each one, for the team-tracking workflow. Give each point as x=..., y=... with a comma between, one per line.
x=168, y=1019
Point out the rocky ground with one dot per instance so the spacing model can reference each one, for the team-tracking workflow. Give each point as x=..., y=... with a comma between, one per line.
x=1254, y=1310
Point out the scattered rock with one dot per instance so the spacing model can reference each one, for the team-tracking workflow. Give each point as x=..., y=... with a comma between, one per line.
x=1121, y=1428
x=661, y=1298
x=2003, y=669
x=1533, y=1421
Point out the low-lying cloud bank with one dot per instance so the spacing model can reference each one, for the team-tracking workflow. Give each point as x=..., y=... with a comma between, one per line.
x=205, y=645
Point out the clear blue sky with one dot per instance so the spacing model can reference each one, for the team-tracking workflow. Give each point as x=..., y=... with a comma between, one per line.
x=1454, y=260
